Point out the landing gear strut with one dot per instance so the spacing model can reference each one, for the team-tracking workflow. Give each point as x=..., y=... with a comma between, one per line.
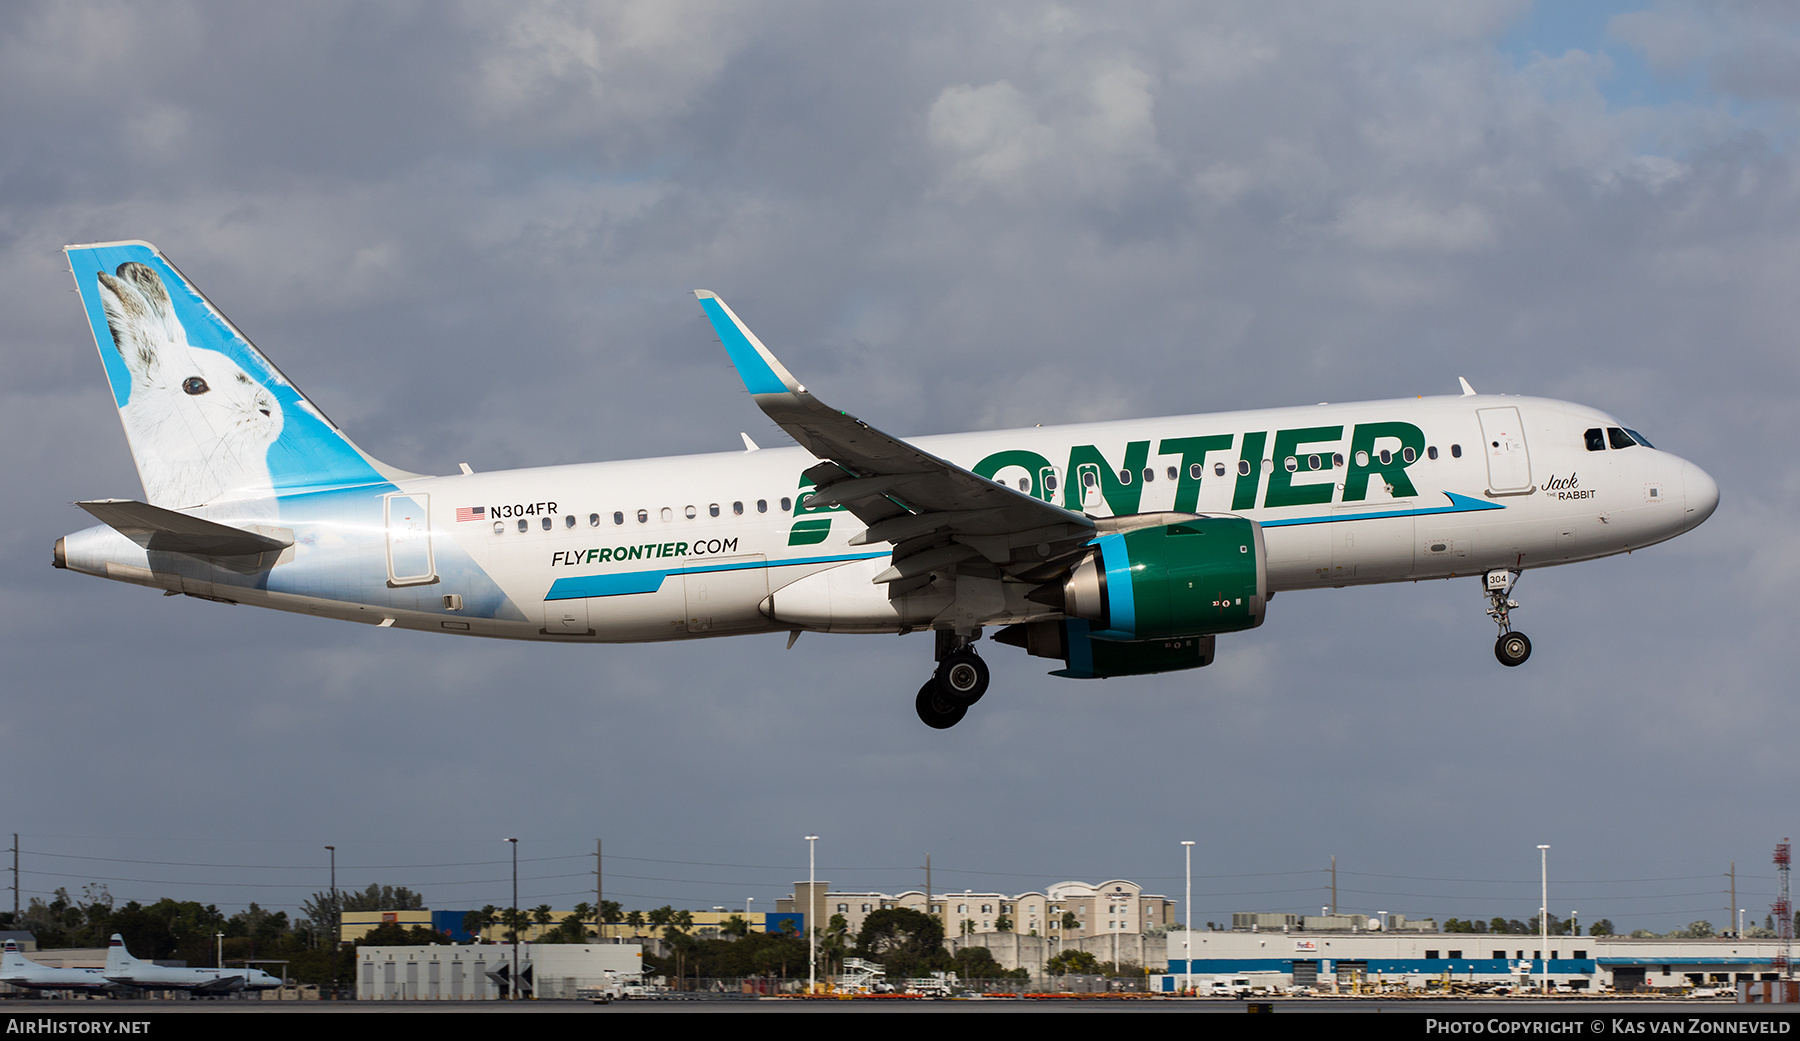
x=960, y=681
x=1511, y=649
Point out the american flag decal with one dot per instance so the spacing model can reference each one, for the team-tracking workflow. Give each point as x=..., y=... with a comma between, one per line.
x=469, y=513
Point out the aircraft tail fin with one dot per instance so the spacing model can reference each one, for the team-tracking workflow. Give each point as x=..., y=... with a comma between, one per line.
x=118, y=959
x=208, y=416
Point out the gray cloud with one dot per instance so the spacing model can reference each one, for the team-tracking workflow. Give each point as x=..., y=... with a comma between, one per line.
x=469, y=232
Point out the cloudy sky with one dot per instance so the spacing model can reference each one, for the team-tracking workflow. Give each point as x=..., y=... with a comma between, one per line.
x=470, y=232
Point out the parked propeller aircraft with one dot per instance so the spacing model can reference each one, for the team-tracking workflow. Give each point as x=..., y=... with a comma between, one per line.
x=122, y=968
x=21, y=971
x=1116, y=549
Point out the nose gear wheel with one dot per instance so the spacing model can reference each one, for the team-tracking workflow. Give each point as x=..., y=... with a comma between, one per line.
x=1511, y=649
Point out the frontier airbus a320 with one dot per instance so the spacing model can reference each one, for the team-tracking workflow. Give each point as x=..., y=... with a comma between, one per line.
x=1117, y=549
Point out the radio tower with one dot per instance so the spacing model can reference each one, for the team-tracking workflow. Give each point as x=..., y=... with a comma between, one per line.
x=1784, y=911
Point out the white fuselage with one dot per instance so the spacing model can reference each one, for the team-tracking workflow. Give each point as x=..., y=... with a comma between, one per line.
x=695, y=546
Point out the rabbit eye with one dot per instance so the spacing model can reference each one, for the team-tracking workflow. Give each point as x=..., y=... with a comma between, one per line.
x=195, y=385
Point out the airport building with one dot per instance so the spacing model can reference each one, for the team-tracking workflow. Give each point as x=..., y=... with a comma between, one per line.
x=481, y=972
x=1341, y=961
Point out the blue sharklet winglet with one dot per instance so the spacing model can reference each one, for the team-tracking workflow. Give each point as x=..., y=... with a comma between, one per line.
x=761, y=372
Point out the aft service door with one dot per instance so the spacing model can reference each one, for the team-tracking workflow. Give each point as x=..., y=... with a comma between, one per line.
x=409, y=557
x=1503, y=441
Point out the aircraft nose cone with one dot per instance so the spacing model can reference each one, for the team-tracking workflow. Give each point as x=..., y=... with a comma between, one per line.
x=1702, y=493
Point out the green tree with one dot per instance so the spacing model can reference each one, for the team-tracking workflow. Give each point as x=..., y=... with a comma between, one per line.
x=977, y=963
x=392, y=934
x=905, y=941
x=1004, y=923
x=1074, y=962
x=1603, y=927
x=475, y=922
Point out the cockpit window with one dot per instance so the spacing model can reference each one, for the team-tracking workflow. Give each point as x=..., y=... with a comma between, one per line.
x=1618, y=438
x=1596, y=440
x=1639, y=438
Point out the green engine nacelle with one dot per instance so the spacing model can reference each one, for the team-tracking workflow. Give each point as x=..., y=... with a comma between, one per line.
x=1192, y=578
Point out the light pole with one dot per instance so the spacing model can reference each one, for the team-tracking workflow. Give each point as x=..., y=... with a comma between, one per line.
x=337, y=921
x=812, y=906
x=219, y=939
x=512, y=989
x=747, y=902
x=1187, y=913
x=1544, y=919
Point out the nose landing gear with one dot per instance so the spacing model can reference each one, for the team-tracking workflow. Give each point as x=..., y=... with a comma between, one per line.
x=1511, y=649
x=960, y=681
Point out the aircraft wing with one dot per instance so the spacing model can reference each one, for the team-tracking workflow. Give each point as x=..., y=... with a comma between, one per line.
x=935, y=513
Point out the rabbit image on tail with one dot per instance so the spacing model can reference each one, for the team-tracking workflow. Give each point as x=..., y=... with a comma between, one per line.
x=200, y=427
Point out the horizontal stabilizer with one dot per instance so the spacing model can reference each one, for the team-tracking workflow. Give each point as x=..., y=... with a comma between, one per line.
x=155, y=528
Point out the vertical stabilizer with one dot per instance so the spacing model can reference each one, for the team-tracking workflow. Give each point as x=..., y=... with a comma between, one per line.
x=208, y=417
x=119, y=961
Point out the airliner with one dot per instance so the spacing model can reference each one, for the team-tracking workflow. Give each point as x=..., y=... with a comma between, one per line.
x=20, y=971
x=1114, y=549
x=124, y=969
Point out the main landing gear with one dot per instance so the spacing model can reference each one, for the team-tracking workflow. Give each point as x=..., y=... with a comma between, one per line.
x=1511, y=649
x=960, y=681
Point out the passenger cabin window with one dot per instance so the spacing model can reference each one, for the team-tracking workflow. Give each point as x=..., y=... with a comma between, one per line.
x=1243, y=467
x=594, y=520
x=1149, y=475
x=569, y=521
x=618, y=517
x=1431, y=453
x=762, y=505
x=524, y=525
x=499, y=527
x=1456, y=451
x=666, y=514
x=712, y=510
x=1337, y=460
x=1596, y=439
x=786, y=504
x=690, y=513
x=1409, y=454
x=1218, y=470
x=1174, y=473
x=643, y=516
x=546, y=524
x=1124, y=476
x=737, y=509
